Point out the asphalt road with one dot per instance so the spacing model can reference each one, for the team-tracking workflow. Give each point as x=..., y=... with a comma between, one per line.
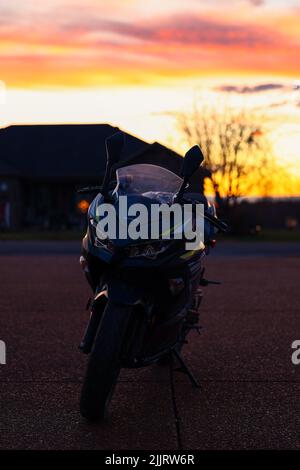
x=224, y=248
x=250, y=390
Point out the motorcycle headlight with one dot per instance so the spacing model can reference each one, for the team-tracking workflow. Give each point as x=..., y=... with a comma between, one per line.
x=106, y=243
x=147, y=250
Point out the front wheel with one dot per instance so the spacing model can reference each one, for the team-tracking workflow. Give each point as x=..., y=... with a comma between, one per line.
x=105, y=362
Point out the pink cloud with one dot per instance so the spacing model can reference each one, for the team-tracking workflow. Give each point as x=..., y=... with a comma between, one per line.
x=181, y=29
x=87, y=43
x=257, y=3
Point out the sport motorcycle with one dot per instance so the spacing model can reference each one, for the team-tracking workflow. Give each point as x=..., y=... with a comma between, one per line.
x=146, y=294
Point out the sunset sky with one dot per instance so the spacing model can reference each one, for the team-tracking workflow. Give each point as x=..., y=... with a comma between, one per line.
x=134, y=63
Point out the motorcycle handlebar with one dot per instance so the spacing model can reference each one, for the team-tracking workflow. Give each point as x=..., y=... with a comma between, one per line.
x=89, y=190
x=220, y=224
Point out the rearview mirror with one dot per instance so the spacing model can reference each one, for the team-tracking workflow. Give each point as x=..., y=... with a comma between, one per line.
x=114, y=145
x=192, y=160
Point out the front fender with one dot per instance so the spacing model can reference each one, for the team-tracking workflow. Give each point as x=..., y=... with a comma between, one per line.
x=123, y=293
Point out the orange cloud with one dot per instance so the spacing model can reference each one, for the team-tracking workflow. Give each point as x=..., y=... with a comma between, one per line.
x=89, y=50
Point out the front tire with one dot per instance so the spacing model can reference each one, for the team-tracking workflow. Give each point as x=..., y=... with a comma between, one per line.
x=105, y=362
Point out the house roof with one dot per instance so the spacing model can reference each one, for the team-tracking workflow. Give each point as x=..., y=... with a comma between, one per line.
x=174, y=163
x=7, y=170
x=74, y=152
x=60, y=150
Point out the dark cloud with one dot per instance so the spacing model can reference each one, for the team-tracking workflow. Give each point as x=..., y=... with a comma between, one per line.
x=279, y=104
x=179, y=29
x=253, y=89
x=257, y=3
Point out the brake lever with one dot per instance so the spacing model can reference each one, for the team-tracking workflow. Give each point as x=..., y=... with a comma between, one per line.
x=222, y=226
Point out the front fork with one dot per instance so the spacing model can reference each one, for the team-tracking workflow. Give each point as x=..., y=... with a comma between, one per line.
x=96, y=305
x=97, y=308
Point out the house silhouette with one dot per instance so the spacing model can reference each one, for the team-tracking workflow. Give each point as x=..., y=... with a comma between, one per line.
x=41, y=166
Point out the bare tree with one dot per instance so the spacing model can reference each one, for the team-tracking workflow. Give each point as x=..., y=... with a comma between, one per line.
x=236, y=150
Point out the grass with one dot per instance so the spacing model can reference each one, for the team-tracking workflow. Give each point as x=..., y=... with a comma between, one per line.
x=69, y=235
x=266, y=236
x=42, y=235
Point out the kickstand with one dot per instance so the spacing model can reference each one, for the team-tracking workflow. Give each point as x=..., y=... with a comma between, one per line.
x=185, y=368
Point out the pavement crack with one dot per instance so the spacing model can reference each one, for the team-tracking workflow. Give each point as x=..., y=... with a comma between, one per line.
x=174, y=404
x=79, y=381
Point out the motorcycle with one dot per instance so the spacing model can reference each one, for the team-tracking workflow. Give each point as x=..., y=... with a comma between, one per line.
x=146, y=293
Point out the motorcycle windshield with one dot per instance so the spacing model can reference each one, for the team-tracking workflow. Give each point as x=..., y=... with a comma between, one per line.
x=148, y=180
